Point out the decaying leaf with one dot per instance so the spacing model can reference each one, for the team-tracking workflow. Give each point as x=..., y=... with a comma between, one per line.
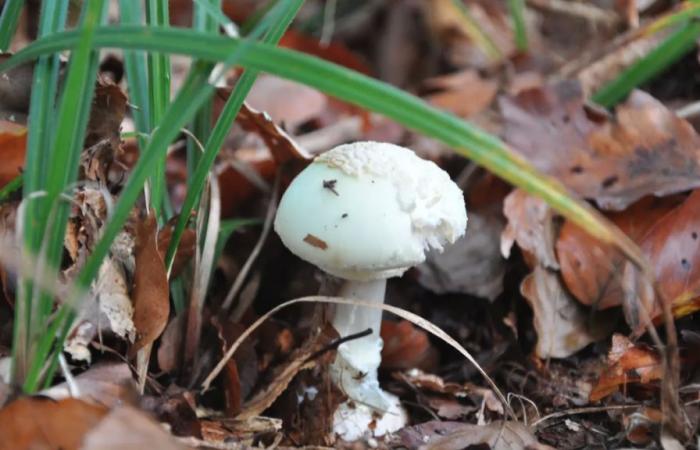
x=627, y=363
x=110, y=312
x=530, y=225
x=151, y=292
x=497, y=435
x=126, y=428
x=13, y=144
x=645, y=149
x=39, y=423
x=106, y=115
x=563, y=326
x=472, y=265
x=106, y=384
x=463, y=93
x=287, y=102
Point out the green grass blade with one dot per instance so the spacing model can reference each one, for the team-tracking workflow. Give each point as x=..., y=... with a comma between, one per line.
x=52, y=18
x=159, y=90
x=483, y=148
x=517, y=13
x=222, y=127
x=9, y=21
x=669, y=51
x=11, y=187
x=136, y=73
x=64, y=157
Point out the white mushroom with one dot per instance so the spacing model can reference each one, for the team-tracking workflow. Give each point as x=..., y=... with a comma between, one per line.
x=365, y=212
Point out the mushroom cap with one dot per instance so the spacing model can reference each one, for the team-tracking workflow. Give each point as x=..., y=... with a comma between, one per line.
x=369, y=210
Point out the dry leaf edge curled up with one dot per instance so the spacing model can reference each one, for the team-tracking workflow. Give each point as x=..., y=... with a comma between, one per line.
x=404, y=314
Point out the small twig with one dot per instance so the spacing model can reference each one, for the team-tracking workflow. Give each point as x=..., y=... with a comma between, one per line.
x=336, y=343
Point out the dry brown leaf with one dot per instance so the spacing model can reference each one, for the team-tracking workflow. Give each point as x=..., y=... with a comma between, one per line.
x=472, y=265
x=13, y=144
x=406, y=347
x=126, y=428
x=108, y=384
x=39, y=423
x=171, y=344
x=591, y=270
x=530, y=225
x=282, y=146
x=463, y=93
x=106, y=115
x=185, y=249
x=151, y=293
x=563, y=326
x=645, y=149
x=668, y=232
x=288, y=103
x=497, y=435
x=627, y=363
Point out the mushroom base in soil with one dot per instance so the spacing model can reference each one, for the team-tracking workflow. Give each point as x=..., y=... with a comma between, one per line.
x=365, y=212
x=355, y=368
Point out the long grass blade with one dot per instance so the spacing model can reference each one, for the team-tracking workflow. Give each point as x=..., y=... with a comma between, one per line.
x=63, y=161
x=483, y=148
x=669, y=51
x=9, y=21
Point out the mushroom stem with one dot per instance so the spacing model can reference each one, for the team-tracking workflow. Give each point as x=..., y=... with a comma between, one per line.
x=355, y=368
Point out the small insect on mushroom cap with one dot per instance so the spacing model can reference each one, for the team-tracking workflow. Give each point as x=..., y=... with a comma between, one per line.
x=370, y=210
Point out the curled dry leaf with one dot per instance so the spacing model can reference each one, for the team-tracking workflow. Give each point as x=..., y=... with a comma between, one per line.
x=530, y=225
x=645, y=149
x=151, y=293
x=40, y=423
x=627, y=363
x=13, y=145
x=563, y=326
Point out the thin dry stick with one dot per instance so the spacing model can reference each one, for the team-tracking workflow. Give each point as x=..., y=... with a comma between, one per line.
x=240, y=278
x=411, y=317
x=586, y=410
